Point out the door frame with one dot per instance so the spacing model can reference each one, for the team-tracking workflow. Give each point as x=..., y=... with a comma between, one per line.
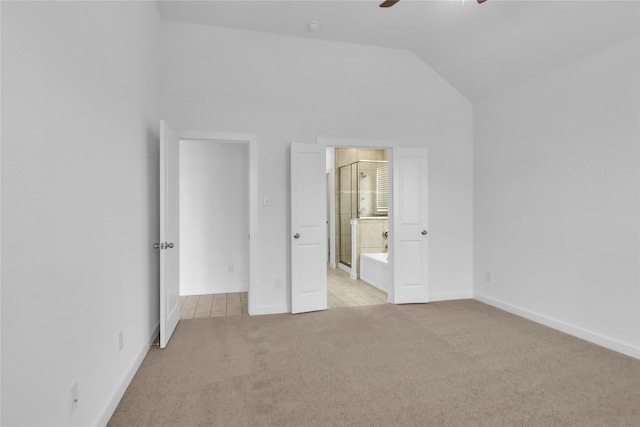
x=328, y=142
x=331, y=234
x=252, y=141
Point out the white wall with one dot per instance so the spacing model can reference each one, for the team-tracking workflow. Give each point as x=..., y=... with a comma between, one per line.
x=80, y=91
x=214, y=217
x=291, y=89
x=557, y=198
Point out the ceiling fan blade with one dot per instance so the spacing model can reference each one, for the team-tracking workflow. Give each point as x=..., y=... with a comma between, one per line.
x=389, y=3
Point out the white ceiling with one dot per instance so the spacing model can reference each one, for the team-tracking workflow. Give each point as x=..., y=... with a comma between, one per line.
x=478, y=49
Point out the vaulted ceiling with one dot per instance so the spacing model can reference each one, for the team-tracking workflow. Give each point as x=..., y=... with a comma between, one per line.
x=479, y=49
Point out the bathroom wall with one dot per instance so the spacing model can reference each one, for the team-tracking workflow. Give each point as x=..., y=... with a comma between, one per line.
x=370, y=235
x=369, y=232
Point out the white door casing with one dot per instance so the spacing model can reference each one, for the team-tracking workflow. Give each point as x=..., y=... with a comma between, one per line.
x=409, y=257
x=308, y=228
x=169, y=233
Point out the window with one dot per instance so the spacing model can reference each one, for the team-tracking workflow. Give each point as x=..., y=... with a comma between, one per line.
x=382, y=189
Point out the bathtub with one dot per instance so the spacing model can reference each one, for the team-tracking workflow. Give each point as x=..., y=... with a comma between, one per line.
x=374, y=269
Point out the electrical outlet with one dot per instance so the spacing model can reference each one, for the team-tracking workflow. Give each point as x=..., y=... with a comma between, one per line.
x=268, y=201
x=487, y=277
x=74, y=398
x=278, y=283
x=121, y=340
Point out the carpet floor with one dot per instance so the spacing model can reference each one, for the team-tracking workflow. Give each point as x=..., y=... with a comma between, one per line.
x=454, y=363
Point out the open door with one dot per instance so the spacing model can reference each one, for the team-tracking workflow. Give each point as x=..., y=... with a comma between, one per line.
x=169, y=234
x=410, y=255
x=308, y=228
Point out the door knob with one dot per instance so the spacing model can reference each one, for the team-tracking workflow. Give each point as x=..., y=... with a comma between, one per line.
x=424, y=232
x=156, y=245
x=168, y=245
x=296, y=236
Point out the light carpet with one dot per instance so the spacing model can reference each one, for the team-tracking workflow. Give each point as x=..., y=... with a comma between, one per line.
x=455, y=363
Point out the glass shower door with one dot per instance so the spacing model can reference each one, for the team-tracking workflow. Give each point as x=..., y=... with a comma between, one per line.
x=348, y=208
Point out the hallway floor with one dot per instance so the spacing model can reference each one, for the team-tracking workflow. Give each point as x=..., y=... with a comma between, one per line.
x=341, y=292
x=213, y=305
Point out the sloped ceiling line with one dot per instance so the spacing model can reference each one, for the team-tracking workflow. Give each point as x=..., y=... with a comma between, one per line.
x=478, y=49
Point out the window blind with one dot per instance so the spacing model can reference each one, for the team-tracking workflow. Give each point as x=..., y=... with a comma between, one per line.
x=382, y=189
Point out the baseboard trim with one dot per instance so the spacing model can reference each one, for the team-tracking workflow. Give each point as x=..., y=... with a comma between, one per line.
x=584, y=334
x=268, y=309
x=206, y=290
x=450, y=296
x=119, y=392
x=344, y=268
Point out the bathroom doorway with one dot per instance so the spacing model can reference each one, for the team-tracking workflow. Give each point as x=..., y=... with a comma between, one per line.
x=408, y=214
x=358, y=226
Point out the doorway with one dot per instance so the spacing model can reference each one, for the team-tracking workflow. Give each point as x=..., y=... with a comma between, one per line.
x=170, y=244
x=358, y=226
x=214, y=223
x=214, y=217
x=408, y=215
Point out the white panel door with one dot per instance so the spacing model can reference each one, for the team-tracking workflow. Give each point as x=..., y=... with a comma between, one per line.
x=308, y=228
x=410, y=255
x=169, y=234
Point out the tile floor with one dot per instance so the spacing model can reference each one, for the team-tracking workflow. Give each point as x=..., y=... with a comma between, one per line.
x=341, y=292
x=213, y=305
x=344, y=292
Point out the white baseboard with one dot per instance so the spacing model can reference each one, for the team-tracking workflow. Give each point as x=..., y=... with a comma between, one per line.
x=117, y=395
x=449, y=296
x=592, y=337
x=206, y=290
x=344, y=268
x=269, y=309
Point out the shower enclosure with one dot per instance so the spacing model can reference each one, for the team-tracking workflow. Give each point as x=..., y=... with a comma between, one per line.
x=364, y=193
